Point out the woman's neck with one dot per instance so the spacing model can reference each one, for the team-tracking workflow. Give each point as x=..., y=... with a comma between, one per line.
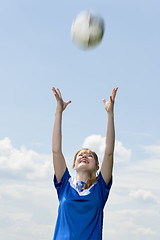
x=82, y=176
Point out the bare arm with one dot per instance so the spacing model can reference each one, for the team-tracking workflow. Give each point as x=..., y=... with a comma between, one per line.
x=107, y=163
x=58, y=158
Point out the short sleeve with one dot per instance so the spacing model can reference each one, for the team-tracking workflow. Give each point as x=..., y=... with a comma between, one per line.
x=61, y=185
x=104, y=188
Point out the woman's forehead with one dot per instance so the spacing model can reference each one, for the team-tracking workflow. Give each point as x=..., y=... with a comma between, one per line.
x=85, y=151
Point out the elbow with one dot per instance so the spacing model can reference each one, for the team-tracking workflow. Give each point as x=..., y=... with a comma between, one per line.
x=56, y=151
x=109, y=151
x=110, y=154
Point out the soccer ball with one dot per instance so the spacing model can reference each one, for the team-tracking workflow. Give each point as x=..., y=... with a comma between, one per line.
x=87, y=30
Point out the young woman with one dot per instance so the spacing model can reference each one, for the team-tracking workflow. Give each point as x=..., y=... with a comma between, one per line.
x=82, y=199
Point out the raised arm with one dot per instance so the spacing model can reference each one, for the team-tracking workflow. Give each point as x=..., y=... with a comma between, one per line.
x=107, y=163
x=58, y=158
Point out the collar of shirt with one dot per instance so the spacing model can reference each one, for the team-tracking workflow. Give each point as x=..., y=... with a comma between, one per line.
x=80, y=185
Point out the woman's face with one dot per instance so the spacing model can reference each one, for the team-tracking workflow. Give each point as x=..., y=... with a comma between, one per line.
x=85, y=161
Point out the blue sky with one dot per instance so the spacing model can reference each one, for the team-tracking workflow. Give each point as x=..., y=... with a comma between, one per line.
x=36, y=53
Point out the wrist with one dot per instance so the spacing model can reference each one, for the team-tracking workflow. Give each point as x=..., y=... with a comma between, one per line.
x=58, y=111
x=110, y=113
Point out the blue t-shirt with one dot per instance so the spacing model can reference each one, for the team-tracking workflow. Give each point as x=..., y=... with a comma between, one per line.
x=80, y=213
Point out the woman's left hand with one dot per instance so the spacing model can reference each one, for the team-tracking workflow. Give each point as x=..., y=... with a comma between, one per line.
x=110, y=104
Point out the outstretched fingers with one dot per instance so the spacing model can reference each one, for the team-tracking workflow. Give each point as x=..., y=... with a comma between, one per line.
x=55, y=92
x=54, y=89
x=110, y=103
x=68, y=102
x=59, y=93
x=59, y=98
x=104, y=100
x=113, y=95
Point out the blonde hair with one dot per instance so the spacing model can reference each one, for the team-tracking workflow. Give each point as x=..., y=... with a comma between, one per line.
x=93, y=176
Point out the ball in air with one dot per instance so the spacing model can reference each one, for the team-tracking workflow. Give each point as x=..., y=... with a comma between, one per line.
x=87, y=30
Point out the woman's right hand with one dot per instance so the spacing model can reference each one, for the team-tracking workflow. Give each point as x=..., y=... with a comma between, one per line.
x=61, y=105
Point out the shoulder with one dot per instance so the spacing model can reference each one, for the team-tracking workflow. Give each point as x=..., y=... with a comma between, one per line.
x=104, y=188
x=63, y=180
x=103, y=183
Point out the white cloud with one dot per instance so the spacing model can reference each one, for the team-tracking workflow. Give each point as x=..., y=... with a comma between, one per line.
x=27, y=209
x=122, y=154
x=97, y=143
x=143, y=195
x=152, y=149
x=131, y=223
x=5, y=146
x=145, y=231
x=152, y=163
x=23, y=163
